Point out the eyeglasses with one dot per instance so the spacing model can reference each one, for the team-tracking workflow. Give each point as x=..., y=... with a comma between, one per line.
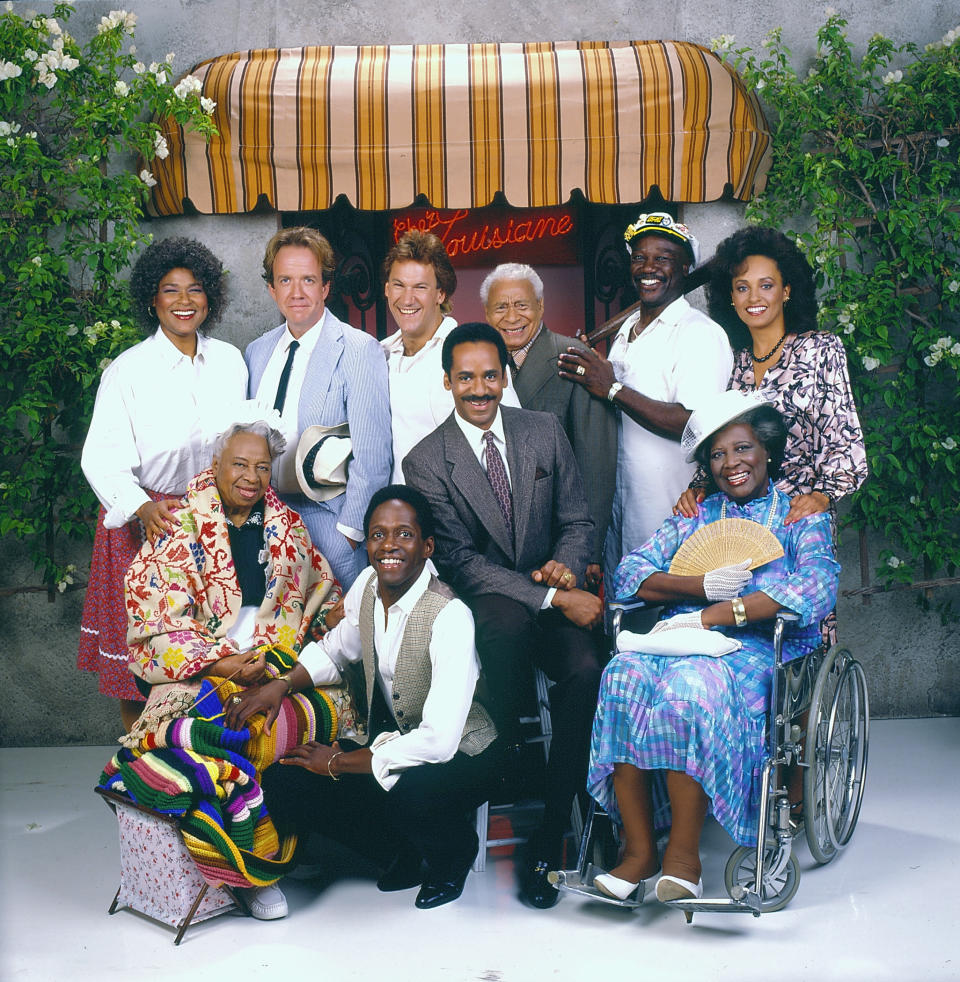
x=520, y=307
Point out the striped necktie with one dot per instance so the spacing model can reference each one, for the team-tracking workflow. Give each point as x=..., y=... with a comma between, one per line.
x=497, y=476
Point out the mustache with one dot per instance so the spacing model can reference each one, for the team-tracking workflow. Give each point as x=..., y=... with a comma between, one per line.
x=477, y=398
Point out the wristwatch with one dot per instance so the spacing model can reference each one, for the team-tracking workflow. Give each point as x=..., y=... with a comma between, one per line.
x=613, y=390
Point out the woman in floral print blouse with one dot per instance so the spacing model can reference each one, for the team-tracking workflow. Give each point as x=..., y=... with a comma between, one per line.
x=761, y=292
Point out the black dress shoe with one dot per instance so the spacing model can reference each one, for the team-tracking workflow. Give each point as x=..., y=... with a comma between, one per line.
x=403, y=873
x=535, y=888
x=436, y=893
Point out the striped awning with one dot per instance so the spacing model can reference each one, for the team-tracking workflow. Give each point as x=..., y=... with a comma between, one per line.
x=456, y=123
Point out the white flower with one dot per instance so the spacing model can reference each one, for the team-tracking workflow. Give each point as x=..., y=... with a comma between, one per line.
x=722, y=43
x=850, y=328
x=930, y=361
x=207, y=105
x=104, y=364
x=117, y=18
x=52, y=26
x=62, y=585
x=914, y=500
x=72, y=330
x=49, y=79
x=37, y=260
x=942, y=142
x=892, y=77
x=893, y=562
x=949, y=443
x=870, y=363
x=843, y=317
x=31, y=134
x=153, y=66
x=139, y=68
x=148, y=178
x=9, y=70
x=7, y=128
x=761, y=84
x=830, y=12
x=30, y=55
x=11, y=142
x=950, y=37
x=160, y=147
x=187, y=85
x=121, y=88
x=169, y=58
x=161, y=77
x=132, y=49
x=953, y=286
x=955, y=350
x=9, y=6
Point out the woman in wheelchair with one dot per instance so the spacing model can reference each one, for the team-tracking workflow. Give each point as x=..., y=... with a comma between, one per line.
x=678, y=736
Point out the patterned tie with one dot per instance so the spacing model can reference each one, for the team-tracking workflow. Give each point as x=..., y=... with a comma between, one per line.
x=497, y=476
x=285, y=377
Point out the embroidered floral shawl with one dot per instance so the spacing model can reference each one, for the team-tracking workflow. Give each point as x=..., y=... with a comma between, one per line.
x=182, y=593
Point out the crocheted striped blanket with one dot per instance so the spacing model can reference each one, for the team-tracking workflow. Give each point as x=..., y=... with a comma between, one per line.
x=195, y=768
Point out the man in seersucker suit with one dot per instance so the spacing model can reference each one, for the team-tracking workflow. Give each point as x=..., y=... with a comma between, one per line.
x=317, y=371
x=513, y=539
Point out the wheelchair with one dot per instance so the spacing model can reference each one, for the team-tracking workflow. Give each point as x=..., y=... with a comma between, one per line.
x=819, y=721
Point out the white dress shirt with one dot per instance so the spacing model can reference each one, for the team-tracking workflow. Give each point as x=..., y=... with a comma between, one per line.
x=419, y=401
x=474, y=438
x=453, y=661
x=155, y=418
x=681, y=356
x=285, y=466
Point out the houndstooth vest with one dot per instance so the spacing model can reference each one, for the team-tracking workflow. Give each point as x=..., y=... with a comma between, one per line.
x=412, y=676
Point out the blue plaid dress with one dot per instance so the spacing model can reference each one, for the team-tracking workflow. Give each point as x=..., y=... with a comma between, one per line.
x=706, y=716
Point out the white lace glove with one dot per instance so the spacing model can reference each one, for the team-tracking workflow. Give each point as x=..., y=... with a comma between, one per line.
x=689, y=619
x=727, y=582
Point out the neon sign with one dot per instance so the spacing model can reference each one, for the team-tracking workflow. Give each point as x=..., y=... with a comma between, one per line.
x=543, y=235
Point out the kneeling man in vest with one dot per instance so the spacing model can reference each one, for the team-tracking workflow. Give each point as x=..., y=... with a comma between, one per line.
x=401, y=793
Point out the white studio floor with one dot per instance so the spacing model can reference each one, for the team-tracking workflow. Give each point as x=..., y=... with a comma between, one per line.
x=885, y=909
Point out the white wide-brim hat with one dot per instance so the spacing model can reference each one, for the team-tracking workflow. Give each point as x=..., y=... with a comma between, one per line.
x=323, y=461
x=714, y=414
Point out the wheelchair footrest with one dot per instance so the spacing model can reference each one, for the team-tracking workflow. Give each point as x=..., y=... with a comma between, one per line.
x=748, y=904
x=572, y=881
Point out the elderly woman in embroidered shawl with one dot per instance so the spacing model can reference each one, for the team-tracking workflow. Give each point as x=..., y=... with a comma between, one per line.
x=237, y=573
x=687, y=723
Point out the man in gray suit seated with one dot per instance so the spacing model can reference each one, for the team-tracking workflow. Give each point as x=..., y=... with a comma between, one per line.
x=512, y=297
x=319, y=374
x=513, y=539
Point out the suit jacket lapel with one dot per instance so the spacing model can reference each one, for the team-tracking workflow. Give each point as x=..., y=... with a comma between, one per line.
x=323, y=362
x=523, y=470
x=539, y=368
x=471, y=481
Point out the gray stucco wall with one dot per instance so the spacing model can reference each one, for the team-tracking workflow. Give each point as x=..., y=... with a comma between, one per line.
x=911, y=659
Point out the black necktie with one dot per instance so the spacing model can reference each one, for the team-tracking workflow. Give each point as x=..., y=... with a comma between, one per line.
x=285, y=377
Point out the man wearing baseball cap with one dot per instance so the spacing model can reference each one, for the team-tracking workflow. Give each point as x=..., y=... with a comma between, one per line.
x=665, y=359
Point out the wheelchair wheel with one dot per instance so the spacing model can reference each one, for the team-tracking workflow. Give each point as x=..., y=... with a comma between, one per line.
x=781, y=875
x=835, y=754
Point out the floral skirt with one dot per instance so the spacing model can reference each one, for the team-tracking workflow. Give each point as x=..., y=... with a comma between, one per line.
x=702, y=716
x=103, y=627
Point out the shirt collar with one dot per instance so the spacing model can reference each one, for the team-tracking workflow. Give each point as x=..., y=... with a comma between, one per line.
x=409, y=600
x=520, y=355
x=394, y=344
x=308, y=340
x=171, y=354
x=474, y=435
x=673, y=313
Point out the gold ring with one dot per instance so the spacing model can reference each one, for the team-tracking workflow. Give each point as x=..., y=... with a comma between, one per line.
x=566, y=576
x=581, y=370
x=236, y=700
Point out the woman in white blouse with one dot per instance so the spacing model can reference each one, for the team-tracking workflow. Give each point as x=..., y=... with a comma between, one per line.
x=153, y=423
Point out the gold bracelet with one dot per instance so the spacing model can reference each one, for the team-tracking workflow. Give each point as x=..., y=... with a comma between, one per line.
x=330, y=761
x=739, y=614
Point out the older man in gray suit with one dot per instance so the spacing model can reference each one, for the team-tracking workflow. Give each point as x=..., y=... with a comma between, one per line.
x=512, y=297
x=513, y=539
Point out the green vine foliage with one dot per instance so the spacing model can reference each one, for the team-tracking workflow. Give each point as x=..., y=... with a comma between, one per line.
x=72, y=119
x=865, y=173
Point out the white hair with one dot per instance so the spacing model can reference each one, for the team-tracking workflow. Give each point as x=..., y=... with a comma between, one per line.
x=511, y=271
x=276, y=441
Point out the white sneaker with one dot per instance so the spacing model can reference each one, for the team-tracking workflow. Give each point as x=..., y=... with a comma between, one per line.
x=267, y=903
